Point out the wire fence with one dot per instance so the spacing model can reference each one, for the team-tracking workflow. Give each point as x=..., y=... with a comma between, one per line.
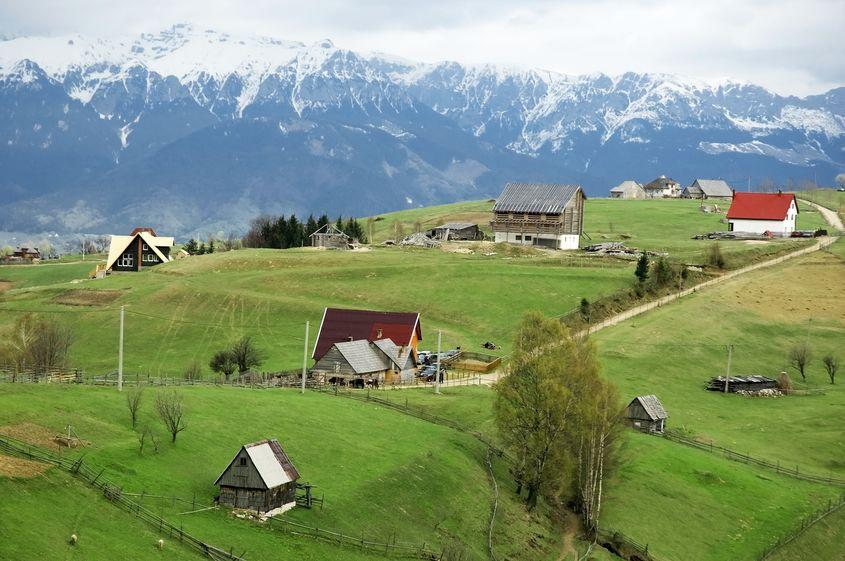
x=115, y=495
x=748, y=459
x=623, y=546
x=806, y=523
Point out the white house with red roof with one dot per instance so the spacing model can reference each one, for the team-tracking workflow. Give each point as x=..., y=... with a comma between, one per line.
x=759, y=213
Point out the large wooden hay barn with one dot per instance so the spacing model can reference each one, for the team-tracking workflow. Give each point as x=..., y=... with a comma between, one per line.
x=541, y=214
x=381, y=361
x=647, y=414
x=331, y=237
x=260, y=477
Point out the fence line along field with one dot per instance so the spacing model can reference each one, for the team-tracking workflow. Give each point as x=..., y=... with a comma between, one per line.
x=383, y=474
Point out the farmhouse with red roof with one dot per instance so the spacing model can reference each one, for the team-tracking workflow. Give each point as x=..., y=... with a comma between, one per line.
x=763, y=212
x=339, y=325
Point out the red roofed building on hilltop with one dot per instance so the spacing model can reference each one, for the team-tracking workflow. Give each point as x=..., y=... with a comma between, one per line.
x=339, y=325
x=759, y=213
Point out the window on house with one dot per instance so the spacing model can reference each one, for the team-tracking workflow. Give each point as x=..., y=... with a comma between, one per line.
x=126, y=260
x=145, y=247
x=519, y=237
x=528, y=238
x=243, y=461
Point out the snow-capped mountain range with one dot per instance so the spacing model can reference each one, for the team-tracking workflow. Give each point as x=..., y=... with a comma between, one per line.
x=191, y=129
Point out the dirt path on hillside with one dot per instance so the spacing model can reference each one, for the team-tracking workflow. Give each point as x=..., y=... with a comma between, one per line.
x=829, y=215
x=627, y=314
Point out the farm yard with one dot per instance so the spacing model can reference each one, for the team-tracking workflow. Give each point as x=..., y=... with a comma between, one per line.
x=390, y=476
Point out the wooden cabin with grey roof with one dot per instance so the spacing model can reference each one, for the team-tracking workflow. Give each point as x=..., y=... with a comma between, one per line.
x=540, y=214
x=647, y=414
x=260, y=477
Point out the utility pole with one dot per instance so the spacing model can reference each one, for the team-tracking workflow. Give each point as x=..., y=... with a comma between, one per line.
x=120, y=355
x=305, y=355
x=83, y=248
x=728, y=375
x=437, y=373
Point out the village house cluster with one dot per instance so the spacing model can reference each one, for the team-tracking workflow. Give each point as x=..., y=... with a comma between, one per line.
x=667, y=188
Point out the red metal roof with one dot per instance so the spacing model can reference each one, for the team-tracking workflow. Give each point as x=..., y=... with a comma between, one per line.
x=342, y=325
x=761, y=206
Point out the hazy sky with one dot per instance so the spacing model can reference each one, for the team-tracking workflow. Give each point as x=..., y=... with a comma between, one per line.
x=793, y=47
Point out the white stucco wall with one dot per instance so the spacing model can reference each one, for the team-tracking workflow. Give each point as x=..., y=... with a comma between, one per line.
x=563, y=241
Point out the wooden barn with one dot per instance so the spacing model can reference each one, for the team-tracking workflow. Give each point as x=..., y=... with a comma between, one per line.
x=629, y=189
x=331, y=237
x=381, y=360
x=260, y=477
x=141, y=248
x=460, y=231
x=647, y=414
x=708, y=189
x=341, y=325
x=541, y=214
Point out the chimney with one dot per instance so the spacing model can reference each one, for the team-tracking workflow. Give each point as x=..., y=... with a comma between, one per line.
x=349, y=338
x=780, y=192
x=378, y=334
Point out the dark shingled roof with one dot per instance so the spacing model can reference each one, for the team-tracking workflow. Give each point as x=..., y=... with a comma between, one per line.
x=538, y=198
x=340, y=325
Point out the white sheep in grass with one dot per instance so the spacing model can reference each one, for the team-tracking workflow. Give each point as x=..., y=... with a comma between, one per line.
x=73, y=539
x=160, y=544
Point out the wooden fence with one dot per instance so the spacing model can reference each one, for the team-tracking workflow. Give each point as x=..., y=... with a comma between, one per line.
x=114, y=494
x=392, y=547
x=748, y=459
x=806, y=522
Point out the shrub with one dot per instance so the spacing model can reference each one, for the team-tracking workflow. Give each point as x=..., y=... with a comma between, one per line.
x=192, y=371
x=713, y=256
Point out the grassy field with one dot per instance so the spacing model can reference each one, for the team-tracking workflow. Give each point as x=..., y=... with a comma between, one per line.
x=382, y=473
x=657, y=225
x=186, y=310
x=823, y=540
x=42, y=512
x=831, y=198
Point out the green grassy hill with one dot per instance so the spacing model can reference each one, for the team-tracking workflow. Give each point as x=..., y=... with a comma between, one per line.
x=385, y=474
x=186, y=310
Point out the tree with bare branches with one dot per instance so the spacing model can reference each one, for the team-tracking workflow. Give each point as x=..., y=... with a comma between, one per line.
x=831, y=365
x=799, y=358
x=246, y=355
x=133, y=402
x=171, y=411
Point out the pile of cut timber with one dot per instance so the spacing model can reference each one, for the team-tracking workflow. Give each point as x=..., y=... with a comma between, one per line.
x=742, y=383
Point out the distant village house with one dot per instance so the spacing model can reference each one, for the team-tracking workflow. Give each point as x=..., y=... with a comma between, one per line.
x=141, y=248
x=708, y=189
x=647, y=414
x=662, y=188
x=629, y=189
x=260, y=477
x=462, y=231
x=759, y=213
x=541, y=214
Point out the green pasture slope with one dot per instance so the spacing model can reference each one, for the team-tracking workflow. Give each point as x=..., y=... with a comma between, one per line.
x=831, y=198
x=656, y=224
x=700, y=505
x=188, y=309
x=385, y=474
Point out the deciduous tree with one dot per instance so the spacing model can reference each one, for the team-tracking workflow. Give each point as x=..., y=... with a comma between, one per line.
x=246, y=355
x=799, y=358
x=133, y=401
x=831, y=365
x=171, y=412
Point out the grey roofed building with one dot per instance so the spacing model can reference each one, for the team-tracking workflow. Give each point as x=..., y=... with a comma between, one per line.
x=362, y=357
x=646, y=413
x=708, y=189
x=456, y=231
x=260, y=477
x=536, y=198
x=629, y=189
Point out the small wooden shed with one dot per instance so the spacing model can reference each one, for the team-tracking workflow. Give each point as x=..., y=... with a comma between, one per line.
x=331, y=237
x=463, y=231
x=260, y=477
x=647, y=414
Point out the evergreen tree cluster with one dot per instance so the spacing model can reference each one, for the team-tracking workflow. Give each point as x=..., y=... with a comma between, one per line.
x=194, y=248
x=280, y=232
